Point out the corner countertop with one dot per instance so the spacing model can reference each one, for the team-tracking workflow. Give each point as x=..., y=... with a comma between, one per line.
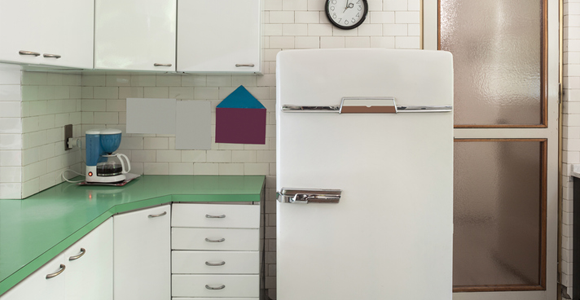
x=36, y=229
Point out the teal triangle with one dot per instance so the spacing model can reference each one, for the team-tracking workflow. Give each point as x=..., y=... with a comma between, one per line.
x=240, y=98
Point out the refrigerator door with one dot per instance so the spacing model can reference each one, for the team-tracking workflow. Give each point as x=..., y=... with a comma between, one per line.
x=389, y=235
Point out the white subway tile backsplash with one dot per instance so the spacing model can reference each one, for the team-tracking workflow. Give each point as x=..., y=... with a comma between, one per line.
x=205, y=93
x=219, y=155
x=156, y=143
x=156, y=92
x=10, y=125
x=358, y=42
x=193, y=80
x=180, y=168
x=309, y=17
x=193, y=156
x=156, y=168
x=205, y=169
x=256, y=168
x=294, y=5
x=10, y=174
x=10, y=190
x=169, y=156
x=130, y=92
x=320, y=29
x=185, y=93
x=10, y=109
x=168, y=80
x=231, y=169
x=282, y=17
x=143, y=80
x=382, y=17
x=304, y=43
x=294, y=29
x=11, y=141
x=315, y=5
x=93, y=80
x=106, y=118
x=12, y=92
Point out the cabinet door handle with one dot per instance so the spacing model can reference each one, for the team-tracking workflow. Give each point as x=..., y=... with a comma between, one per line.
x=162, y=65
x=215, y=217
x=83, y=251
x=215, y=241
x=51, y=55
x=52, y=275
x=23, y=52
x=221, y=287
x=244, y=65
x=207, y=263
x=158, y=215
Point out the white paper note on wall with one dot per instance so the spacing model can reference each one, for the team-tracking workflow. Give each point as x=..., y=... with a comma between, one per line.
x=193, y=130
x=148, y=115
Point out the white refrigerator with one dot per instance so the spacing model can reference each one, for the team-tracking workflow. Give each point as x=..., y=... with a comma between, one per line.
x=364, y=174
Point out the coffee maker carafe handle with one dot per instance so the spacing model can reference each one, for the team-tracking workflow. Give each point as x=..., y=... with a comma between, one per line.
x=121, y=156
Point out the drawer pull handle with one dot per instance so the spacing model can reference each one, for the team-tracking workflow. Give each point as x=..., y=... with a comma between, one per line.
x=23, y=52
x=51, y=55
x=162, y=65
x=215, y=241
x=244, y=65
x=207, y=263
x=221, y=287
x=83, y=251
x=215, y=217
x=158, y=215
x=52, y=275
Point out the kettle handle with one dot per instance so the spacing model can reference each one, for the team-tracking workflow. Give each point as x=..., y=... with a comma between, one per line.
x=121, y=155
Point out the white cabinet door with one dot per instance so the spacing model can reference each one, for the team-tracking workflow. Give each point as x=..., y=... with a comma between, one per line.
x=70, y=23
x=54, y=33
x=37, y=286
x=142, y=268
x=90, y=265
x=219, y=36
x=135, y=35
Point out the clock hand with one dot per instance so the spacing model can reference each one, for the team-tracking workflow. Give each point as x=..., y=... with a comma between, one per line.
x=346, y=6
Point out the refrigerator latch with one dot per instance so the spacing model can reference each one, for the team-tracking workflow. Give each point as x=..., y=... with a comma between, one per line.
x=305, y=196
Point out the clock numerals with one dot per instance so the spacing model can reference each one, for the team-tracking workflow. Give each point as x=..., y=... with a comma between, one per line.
x=359, y=8
x=333, y=1
x=346, y=22
x=339, y=19
x=334, y=16
x=332, y=8
x=353, y=20
x=358, y=15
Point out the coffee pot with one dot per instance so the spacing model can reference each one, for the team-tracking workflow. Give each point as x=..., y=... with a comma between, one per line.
x=103, y=165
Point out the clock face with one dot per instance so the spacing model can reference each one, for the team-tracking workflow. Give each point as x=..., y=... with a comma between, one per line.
x=346, y=14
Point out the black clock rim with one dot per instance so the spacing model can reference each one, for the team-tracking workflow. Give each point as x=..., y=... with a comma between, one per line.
x=346, y=27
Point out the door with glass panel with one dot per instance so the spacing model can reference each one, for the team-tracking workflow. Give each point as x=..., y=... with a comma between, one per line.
x=506, y=73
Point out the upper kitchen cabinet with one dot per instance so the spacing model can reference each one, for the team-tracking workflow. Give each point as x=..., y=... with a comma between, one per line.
x=136, y=35
x=52, y=33
x=219, y=36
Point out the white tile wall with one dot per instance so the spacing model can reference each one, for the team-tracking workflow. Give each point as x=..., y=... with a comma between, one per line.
x=10, y=132
x=571, y=129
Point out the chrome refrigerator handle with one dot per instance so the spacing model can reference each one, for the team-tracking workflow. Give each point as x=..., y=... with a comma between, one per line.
x=305, y=196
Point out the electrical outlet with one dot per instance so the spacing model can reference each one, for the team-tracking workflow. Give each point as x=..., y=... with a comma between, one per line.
x=68, y=133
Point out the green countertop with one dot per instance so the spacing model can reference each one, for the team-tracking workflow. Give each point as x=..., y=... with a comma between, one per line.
x=36, y=229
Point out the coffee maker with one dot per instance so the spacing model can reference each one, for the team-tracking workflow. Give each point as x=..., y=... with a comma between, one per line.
x=103, y=165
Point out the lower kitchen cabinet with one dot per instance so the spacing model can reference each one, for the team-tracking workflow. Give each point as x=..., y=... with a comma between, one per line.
x=216, y=251
x=89, y=273
x=82, y=272
x=142, y=254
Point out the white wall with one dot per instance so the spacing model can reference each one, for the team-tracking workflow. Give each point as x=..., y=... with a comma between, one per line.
x=571, y=129
x=34, y=107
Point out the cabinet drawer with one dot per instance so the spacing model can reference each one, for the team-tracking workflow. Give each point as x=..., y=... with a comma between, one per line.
x=215, y=239
x=216, y=215
x=241, y=286
x=215, y=262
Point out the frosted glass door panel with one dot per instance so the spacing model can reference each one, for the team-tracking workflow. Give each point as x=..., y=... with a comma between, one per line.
x=498, y=204
x=497, y=57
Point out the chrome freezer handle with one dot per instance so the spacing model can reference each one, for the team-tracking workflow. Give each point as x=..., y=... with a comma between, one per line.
x=305, y=196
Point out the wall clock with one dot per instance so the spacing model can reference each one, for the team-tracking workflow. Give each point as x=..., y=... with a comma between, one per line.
x=346, y=14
